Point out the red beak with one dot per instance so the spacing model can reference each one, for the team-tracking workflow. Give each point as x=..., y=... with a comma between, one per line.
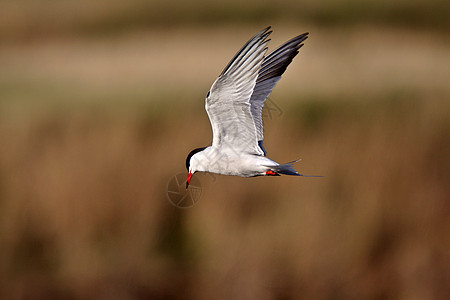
x=188, y=179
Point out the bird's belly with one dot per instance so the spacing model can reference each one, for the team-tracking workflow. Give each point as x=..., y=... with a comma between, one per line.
x=242, y=165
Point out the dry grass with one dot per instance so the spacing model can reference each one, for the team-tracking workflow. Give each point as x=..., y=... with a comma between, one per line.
x=93, y=130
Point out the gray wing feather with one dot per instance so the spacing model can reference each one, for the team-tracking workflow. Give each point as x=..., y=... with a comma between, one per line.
x=269, y=74
x=228, y=103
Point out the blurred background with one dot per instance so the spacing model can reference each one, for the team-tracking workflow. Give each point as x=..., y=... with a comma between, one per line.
x=100, y=102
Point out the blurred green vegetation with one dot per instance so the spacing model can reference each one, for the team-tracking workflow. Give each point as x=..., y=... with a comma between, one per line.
x=23, y=19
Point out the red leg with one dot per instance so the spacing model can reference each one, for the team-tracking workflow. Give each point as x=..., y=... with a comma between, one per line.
x=271, y=173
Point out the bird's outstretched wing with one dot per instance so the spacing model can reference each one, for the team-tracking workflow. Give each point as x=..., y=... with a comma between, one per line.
x=269, y=74
x=228, y=101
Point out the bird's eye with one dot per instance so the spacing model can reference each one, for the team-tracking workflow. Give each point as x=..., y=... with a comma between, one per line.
x=207, y=95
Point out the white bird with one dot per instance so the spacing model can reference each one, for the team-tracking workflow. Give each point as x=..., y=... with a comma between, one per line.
x=234, y=105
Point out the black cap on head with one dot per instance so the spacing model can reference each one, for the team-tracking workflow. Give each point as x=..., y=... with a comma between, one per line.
x=188, y=158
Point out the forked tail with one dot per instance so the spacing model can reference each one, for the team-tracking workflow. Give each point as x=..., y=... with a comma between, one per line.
x=288, y=169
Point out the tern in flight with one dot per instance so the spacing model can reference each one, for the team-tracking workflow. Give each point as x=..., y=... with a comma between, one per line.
x=234, y=105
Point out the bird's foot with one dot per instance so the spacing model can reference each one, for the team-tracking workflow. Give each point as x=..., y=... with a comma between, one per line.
x=271, y=173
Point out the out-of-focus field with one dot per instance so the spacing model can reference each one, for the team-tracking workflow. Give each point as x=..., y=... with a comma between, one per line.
x=92, y=128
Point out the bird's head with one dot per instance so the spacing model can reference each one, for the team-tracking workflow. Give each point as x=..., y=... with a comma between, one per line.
x=193, y=163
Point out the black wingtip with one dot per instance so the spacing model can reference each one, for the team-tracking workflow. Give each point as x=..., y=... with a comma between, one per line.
x=266, y=30
x=259, y=37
